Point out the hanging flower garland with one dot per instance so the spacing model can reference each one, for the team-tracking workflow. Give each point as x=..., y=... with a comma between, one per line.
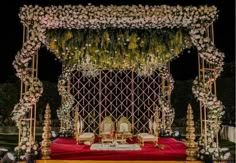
x=21, y=62
x=169, y=114
x=32, y=94
x=24, y=145
x=165, y=75
x=124, y=16
x=202, y=91
x=68, y=99
x=139, y=50
x=165, y=106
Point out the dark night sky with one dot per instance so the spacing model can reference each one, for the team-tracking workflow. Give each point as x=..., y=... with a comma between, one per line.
x=183, y=68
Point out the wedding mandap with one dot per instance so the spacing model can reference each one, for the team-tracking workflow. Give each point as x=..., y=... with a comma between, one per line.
x=116, y=84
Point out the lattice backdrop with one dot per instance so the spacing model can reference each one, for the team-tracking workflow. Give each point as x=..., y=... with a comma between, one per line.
x=116, y=94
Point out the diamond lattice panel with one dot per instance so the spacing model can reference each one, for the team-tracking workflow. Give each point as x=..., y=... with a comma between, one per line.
x=116, y=94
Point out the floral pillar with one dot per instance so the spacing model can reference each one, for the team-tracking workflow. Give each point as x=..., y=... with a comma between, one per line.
x=63, y=112
x=210, y=66
x=24, y=113
x=168, y=112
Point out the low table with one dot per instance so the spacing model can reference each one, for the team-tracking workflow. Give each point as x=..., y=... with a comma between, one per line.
x=87, y=136
x=116, y=147
x=145, y=137
x=107, y=140
x=120, y=138
x=110, y=140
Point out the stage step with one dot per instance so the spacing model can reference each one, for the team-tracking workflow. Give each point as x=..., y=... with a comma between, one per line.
x=110, y=161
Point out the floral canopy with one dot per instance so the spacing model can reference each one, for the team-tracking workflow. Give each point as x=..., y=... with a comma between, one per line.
x=121, y=49
x=137, y=37
x=118, y=37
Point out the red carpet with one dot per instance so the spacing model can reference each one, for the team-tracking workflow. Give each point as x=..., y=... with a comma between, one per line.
x=67, y=149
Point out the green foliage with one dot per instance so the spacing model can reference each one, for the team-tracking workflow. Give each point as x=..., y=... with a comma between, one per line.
x=182, y=95
x=226, y=93
x=117, y=48
x=9, y=96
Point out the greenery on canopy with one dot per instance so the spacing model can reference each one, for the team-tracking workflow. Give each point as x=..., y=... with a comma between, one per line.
x=117, y=48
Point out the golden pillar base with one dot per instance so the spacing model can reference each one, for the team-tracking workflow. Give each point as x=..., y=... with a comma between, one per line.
x=191, y=154
x=46, y=134
x=191, y=151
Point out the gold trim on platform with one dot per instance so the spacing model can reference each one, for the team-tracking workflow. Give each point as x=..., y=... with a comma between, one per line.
x=110, y=161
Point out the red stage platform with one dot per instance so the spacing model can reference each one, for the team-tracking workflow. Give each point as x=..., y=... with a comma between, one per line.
x=67, y=149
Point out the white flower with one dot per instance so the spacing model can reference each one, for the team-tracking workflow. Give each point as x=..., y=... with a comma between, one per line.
x=201, y=157
x=34, y=147
x=28, y=150
x=16, y=148
x=227, y=155
x=211, y=150
x=22, y=157
x=202, y=151
x=23, y=147
x=209, y=139
x=224, y=149
x=214, y=144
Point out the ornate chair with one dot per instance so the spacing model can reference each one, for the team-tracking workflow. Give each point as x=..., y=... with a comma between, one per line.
x=85, y=137
x=106, y=129
x=123, y=128
x=77, y=126
x=152, y=136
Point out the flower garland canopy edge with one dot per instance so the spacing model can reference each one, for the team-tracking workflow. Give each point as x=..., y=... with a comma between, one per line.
x=124, y=16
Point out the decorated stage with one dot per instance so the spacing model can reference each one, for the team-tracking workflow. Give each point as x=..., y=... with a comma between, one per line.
x=67, y=149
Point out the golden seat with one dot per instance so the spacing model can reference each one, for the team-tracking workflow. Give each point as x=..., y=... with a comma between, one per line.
x=123, y=128
x=106, y=130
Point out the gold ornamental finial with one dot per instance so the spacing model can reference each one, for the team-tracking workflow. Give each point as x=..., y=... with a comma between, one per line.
x=190, y=136
x=46, y=151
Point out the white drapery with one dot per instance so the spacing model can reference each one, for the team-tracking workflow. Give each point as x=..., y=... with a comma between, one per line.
x=228, y=133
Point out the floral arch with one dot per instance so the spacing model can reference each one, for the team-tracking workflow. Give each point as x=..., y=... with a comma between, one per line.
x=188, y=26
